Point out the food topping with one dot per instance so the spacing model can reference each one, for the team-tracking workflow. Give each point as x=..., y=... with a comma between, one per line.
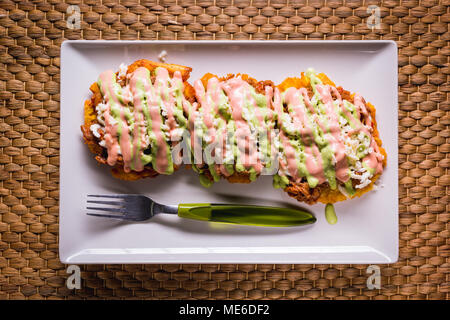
x=140, y=118
x=309, y=134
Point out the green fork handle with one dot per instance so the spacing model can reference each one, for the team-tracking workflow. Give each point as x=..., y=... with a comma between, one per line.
x=245, y=214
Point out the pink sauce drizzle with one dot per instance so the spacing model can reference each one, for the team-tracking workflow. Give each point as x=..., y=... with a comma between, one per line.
x=111, y=127
x=337, y=145
x=167, y=94
x=139, y=129
x=196, y=147
x=374, y=159
x=159, y=91
x=237, y=91
x=313, y=158
x=209, y=102
x=132, y=148
x=271, y=100
x=361, y=108
x=313, y=161
x=274, y=98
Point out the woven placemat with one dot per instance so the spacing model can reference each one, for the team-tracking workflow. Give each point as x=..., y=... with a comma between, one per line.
x=31, y=35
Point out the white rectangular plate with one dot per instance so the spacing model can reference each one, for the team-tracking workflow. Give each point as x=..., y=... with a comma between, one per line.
x=367, y=228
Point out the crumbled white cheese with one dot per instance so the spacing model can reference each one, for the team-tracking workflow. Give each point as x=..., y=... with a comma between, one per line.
x=218, y=152
x=101, y=107
x=363, y=184
x=207, y=138
x=126, y=93
x=164, y=110
x=343, y=191
x=378, y=185
x=361, y=136
x=198, y=122
x=100, y=119
x=162, y=56
x=177, y=134
x=229, y=157
x=276, y=142
x=364, y=179
x=112, y=121
x=94, y=129
x=122, y=70
x=102, y=143
x=360, y=169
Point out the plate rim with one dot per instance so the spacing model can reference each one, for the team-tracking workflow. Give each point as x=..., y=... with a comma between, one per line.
x=67, y=258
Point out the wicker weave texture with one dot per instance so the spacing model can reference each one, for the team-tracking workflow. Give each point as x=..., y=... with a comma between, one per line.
x=31, y=35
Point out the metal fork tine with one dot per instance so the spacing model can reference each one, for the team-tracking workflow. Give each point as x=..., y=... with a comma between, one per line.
x=120, y=196
x=113, y=203
x=130, y=207
x=106, y=209
x=121, y=217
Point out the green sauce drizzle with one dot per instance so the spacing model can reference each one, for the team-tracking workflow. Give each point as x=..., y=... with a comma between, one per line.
x=330, y=214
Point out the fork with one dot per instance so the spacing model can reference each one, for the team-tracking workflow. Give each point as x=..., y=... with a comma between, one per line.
x=136, y=207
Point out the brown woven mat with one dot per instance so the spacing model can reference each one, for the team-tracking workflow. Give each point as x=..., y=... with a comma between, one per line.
x=31, y=35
